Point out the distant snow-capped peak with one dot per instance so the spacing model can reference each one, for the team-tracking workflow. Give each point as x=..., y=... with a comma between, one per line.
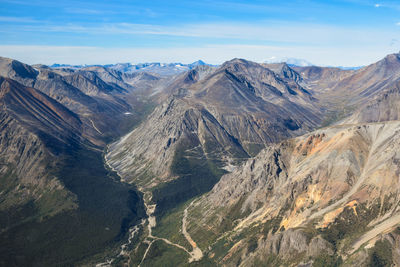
x=290, y=61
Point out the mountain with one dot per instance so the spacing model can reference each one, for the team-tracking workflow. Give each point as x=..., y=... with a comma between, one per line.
x=18, y=71
x=284, y=71
x=59, y=203
x=164, y=69
x=35, y=128
x=298, y=201
x=212, y=121
x=98, y=95
x=383, y=107
x=197, y=63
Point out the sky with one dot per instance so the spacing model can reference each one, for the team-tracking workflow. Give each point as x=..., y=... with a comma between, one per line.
x=327, y=33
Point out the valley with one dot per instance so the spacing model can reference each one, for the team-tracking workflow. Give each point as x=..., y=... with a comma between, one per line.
x=242, y=164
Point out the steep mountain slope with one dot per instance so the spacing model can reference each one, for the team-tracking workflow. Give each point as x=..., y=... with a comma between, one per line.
x=342, y=92
x=356, y=86
x=34, y=129
x=284, y=71
x=315, y=187
x=366, y=81
x=59, y=205
x=385, y=106
x=18, y=71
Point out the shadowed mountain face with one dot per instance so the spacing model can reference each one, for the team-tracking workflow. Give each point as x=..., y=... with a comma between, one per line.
x=59, y=204
x=35, y=128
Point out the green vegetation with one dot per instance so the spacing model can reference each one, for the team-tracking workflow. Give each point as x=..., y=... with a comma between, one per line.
x=107, y=208
x=164, y=255
x=253, y=149
x=235, y=212
x=336, y=115
x=272, y=224
x=53, y=202
x=268, y=261
x=170, y=226
x=381, y=254
x=326, y=260
x=125, y=124
x=137, y=254
x=348, y=224
x=196, y=176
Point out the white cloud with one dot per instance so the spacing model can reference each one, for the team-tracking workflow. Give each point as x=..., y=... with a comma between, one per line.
x=378, y=5
x=278, y=32
x=17, y=19
x=85, y=11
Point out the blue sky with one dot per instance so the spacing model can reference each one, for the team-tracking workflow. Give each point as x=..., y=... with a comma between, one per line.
x=339, y=33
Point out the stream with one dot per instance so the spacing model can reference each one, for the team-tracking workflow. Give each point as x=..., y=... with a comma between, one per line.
x=195, y=255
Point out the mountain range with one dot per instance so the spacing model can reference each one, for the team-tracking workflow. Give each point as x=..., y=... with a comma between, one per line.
x=242, y=164
x=164, y=69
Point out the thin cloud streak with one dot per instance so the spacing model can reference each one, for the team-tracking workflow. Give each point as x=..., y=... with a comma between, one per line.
x=18, y=19
x=84, y=11
x=305, y=34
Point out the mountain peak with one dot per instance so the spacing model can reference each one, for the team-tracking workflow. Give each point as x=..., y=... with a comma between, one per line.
x=17, y=70
x=236, y=62
x=198, y=63
x=395, y=57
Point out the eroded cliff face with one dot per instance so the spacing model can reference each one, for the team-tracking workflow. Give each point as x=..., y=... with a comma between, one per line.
x=315, y=185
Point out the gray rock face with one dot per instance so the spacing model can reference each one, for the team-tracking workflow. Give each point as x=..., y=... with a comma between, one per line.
x=383, y=107
x=309, y=182
x=290, y=243
x=284, y=71
x=286, y=244
x=17, y=71
x=344, y=156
